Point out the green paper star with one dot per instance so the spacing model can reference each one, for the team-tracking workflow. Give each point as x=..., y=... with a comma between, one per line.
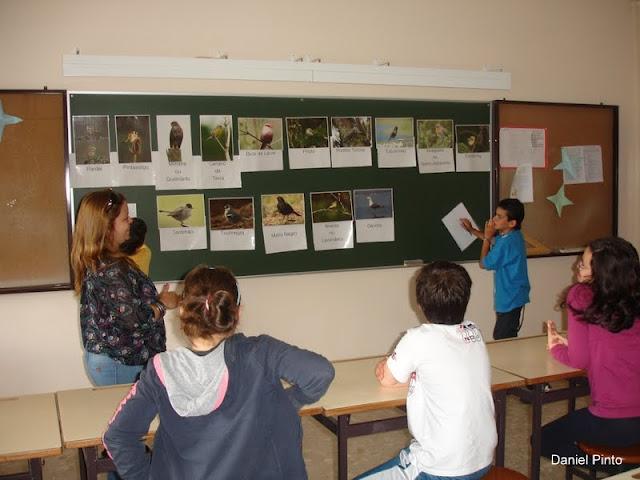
x=566, y=164
x=559, y=200
x=6, y=120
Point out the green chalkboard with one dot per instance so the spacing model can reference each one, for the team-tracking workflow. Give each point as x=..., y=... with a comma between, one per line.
x=420, y=200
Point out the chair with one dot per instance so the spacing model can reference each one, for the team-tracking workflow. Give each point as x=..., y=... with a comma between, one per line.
x=502, y=473
x=627, y=455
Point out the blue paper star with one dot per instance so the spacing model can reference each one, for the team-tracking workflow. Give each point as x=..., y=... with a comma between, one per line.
x=559, y=200
x=6, y=120
x=566, y=164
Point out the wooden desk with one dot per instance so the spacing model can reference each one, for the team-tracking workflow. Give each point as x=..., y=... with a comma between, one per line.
x=84, y=415
x=355, y=389
x=30, y=431
x=528, y=358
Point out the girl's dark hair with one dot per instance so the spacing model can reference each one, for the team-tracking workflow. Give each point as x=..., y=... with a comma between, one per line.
x=137, y=234
x=615, y=273
x=210, y=302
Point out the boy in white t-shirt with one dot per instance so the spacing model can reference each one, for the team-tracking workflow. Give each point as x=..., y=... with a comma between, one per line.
x=449, y=404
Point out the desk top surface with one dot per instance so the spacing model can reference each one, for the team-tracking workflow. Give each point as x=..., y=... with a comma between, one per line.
x=528, y=358
x=29, y=426
x=356, y=388
x=85, y=413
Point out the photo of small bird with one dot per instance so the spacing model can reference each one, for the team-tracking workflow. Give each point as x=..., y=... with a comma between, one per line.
x=231, y=215
x=266, y=136
x=180, y=214
x=373, y=205
x=175, y=135
x=394, y=133
x=285, y=209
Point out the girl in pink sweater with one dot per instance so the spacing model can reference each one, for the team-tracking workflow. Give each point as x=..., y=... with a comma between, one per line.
x=603, y=339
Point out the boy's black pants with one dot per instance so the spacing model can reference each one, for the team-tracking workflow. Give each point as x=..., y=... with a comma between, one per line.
x=507, y=324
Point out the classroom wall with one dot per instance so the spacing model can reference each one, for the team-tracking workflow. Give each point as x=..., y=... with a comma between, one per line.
x=583, y=51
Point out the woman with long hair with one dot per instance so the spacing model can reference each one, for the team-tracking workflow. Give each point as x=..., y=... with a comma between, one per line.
x=603, y=339
x=121, y=312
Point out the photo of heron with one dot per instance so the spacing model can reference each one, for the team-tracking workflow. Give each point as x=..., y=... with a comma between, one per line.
x=375, y=203
x=180, y=211
x=91, y=139
x=260, y=134
x=134, y=138
x=308, y=132
x=472, y=138
x=231, y=213
x=215, y=137
x=435, y=133
x=331, y=207
x=350, y=132
x=395, y=132
x=282, y=209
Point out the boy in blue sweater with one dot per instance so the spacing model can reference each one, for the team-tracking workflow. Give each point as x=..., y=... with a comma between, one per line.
x=507, y=257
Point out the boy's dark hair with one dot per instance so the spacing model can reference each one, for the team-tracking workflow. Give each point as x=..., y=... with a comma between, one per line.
x=442, y=291
x=137, y=233
x=514, y=209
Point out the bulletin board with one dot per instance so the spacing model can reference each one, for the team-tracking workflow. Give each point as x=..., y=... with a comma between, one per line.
x=419, y=200
x=34, y=232
x=564, y=216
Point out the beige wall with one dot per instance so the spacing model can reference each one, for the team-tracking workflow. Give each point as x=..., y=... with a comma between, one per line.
x=582, y=51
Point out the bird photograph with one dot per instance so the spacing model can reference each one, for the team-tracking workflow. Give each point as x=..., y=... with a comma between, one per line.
x=176, y=135
x=91, y=139
x=331, y=207
x=134, y=139
x=260, y=134
x=215, y=135
x=353, y=131
x=308, y=132
x=472, y=138
x=373, y=203
x=394, y=132
x=283, y=209
x=435, y=133
x=231, y=213
x=180, y=211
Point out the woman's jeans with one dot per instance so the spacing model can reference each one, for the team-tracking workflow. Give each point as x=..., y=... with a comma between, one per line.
x=103, y=370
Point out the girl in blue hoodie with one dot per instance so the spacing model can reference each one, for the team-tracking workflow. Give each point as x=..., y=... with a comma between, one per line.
x=223, y=411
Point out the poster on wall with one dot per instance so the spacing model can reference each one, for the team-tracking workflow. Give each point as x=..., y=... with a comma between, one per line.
x=217, y=167
x=435, y=146
x=283, y=222
x=91, y=159
x=332, y=217
x=133, y=141
x=374, y=215
x=473, y=148
x=181, y=221
x=308, y=141
x=173, y=162
x=232, y=224
x=350, y=142
x=395, y=142
x=260, y=143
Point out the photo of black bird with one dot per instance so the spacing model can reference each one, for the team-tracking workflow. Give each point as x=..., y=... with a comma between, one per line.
x=285, y=209
x=175, y=135
x=394, y=133
x=231, y=215
x=180, y=214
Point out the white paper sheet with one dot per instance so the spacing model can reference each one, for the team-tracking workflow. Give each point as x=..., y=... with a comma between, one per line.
x=522, y=146
x=436, y=160
x=342, y=157
x=300, y=158
x=173, y=162
x=390, y=156
x=452, y=221
x=522, y=184
x=332, y=235
x=219, y=174
x=473, y=162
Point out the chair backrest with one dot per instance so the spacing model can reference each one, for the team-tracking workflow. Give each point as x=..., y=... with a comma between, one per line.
x=626, y=454
x=502, y=473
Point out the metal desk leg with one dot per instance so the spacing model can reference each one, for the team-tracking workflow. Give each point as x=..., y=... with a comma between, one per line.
x=35, y=468
x=500, y=402
x=343, y=437
x=88, y=463
x=536, y=430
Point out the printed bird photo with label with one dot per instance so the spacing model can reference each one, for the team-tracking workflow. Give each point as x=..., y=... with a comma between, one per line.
x=435, y=133
x=231, y=213
x=260, y=134
x=282, y=209
x=331, y=207
x=216, y=137
x=395, y=132
x=91, y=139
x=350, y=132
x=308, y=132
x=134, y=139
x=376, y=203
x=180, y=211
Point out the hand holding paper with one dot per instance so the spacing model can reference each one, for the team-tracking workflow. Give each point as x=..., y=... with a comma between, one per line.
x=456, y=222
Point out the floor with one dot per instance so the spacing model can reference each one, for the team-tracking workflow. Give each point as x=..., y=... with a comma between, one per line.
x=364, y=452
